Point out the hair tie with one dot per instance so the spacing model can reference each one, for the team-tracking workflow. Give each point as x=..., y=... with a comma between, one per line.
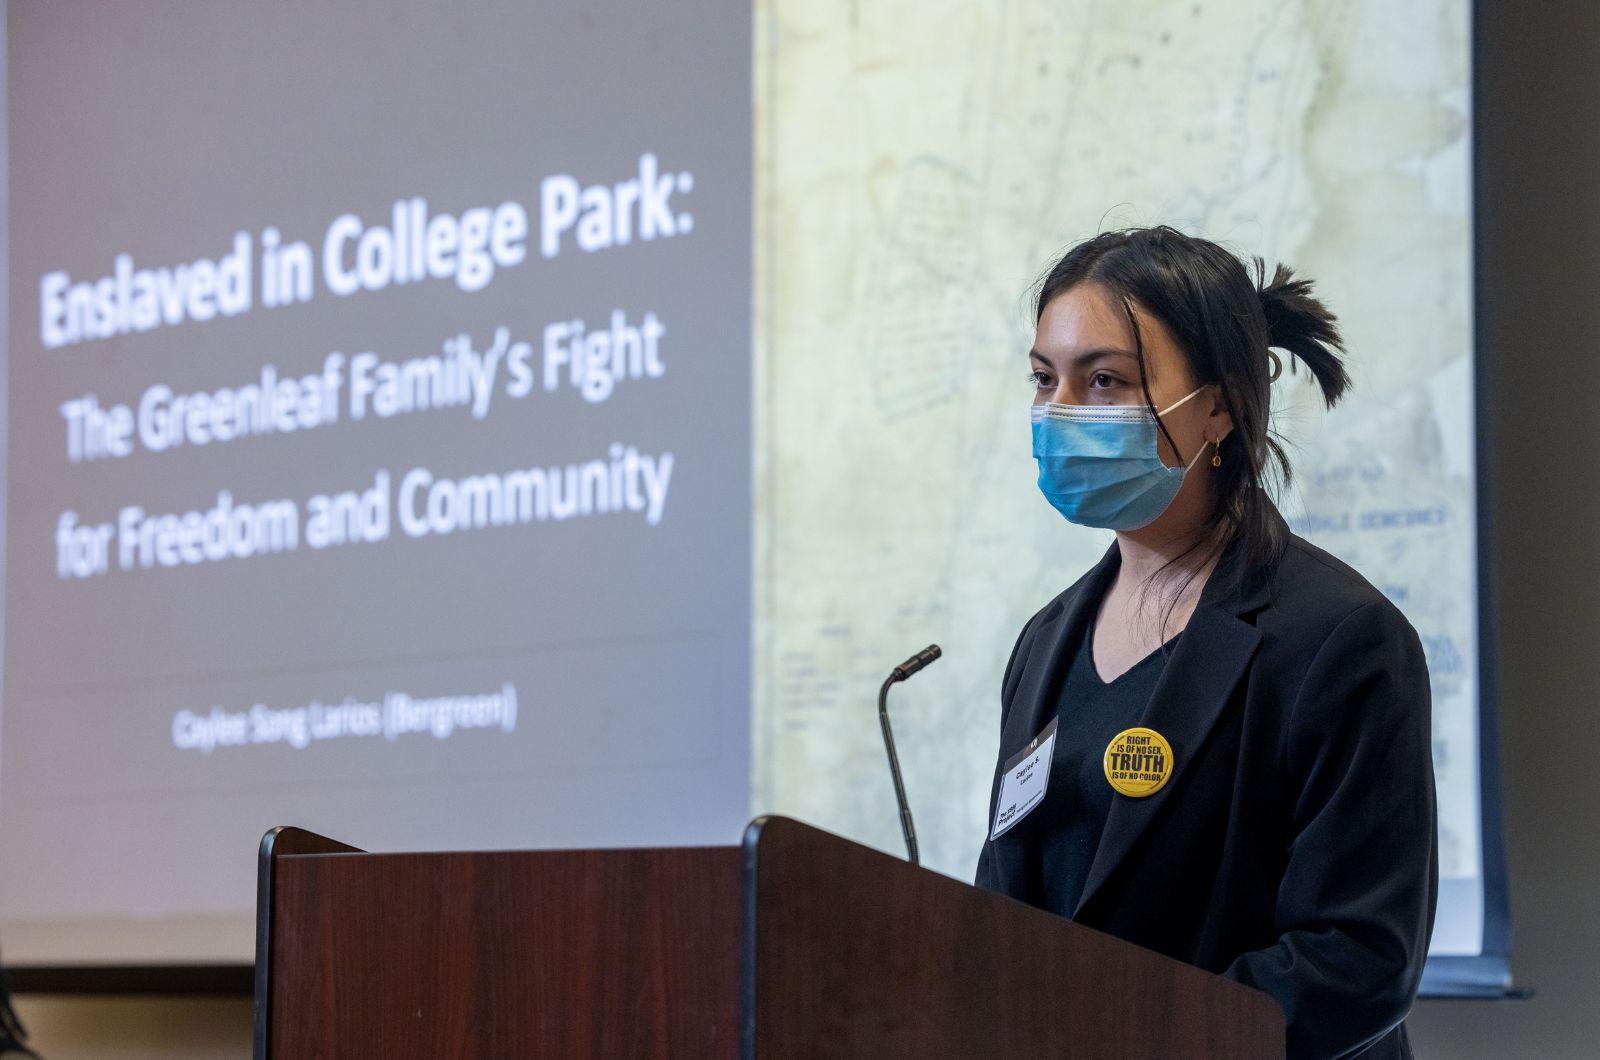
x=1277, y=367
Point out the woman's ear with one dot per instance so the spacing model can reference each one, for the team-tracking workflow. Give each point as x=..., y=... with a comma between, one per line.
x=1219, y=423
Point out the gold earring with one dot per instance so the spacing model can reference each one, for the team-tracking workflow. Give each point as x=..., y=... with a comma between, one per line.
x=1216, y=455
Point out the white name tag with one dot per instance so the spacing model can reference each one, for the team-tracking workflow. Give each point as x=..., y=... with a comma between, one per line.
x=1027, y=774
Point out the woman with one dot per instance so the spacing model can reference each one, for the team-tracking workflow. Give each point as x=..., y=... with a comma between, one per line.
x=1270, y=815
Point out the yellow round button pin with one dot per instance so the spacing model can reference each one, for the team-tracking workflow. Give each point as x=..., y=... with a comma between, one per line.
x=1138, y=762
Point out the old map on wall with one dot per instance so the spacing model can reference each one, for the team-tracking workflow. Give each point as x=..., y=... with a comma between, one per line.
x=918, y=166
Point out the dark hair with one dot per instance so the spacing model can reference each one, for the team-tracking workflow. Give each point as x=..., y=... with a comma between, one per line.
x=1224, y=322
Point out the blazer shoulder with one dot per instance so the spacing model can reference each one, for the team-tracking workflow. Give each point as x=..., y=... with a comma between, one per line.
x=1055, y=607
x=1038, y=622
x=1316, y=591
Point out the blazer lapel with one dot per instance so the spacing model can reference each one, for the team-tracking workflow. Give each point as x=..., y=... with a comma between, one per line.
x=1210, y=657
x=1039, y=692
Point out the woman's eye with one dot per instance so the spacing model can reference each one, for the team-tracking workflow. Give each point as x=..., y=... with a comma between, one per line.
x=1039, y=379
x=1102, y=380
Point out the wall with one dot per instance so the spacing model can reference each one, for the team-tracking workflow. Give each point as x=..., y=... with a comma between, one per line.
x=1539, y=205
x=137, y=1028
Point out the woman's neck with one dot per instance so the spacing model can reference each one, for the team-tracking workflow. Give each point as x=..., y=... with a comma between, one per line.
x=1157, y=586
x=1147, y=550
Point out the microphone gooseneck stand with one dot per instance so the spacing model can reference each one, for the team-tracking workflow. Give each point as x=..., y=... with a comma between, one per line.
x=900, y=673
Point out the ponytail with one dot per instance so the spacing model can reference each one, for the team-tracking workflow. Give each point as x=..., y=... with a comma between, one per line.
x=1300, y=323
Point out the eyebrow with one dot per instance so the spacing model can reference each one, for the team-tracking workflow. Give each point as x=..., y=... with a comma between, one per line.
x=1089, y=355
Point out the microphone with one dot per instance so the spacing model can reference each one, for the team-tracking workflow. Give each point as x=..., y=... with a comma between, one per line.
x=917, y=662
x=900, y=673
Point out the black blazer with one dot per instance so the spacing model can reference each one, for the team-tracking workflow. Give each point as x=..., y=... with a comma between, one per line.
x=1294, y=848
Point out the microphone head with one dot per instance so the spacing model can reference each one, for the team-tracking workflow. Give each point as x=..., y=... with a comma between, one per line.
x=917, y=662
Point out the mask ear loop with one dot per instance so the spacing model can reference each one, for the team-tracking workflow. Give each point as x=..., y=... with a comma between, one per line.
x=1181, y=400
x=1174, y=405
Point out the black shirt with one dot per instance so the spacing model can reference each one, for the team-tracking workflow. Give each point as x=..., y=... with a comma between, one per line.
x=1078, y=796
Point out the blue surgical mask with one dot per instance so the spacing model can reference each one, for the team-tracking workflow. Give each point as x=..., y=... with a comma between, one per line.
x=1098, y=464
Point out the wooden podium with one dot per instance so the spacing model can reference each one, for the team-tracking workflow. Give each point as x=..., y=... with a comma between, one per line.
x=795, y=944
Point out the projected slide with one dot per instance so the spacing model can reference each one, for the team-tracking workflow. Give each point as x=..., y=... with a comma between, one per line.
x=378, y=449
